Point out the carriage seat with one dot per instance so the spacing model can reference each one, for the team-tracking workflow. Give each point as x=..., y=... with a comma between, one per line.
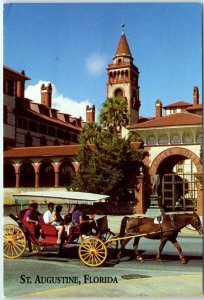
x=31, y=231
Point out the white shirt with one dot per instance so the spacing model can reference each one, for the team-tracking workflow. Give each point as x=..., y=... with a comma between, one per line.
x=48, y=217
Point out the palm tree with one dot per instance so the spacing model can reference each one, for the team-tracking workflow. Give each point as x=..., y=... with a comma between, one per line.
x=114, y=113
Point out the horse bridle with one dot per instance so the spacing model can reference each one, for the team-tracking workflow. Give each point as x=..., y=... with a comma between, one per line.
x=196, y=221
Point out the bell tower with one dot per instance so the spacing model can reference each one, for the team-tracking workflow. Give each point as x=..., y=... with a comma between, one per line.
x=123, y=78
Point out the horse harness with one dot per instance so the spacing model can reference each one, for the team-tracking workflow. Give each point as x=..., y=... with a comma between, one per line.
x=159, y=219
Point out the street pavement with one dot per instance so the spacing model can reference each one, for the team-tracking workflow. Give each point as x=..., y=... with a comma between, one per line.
x=187, y=285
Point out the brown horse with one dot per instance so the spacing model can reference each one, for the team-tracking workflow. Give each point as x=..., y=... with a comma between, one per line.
x=165, y=228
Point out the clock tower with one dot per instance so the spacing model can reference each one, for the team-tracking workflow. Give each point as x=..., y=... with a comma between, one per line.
x=123, y=78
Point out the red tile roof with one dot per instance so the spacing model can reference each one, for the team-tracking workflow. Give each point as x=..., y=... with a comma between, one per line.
x=56, y=121
x=195, y=107
x=23, y=76
x=43, y=151
x=178, y=119
x=49, y=151
x=28, y=111
x=178, y=104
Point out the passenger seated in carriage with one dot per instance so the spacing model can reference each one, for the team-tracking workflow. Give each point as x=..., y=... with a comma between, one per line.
x=87, y=225
x=49, y=219
x=32, y=215
x=59, y=220
x=57, y=216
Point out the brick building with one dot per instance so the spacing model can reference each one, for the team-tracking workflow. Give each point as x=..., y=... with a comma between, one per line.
x=171, y=140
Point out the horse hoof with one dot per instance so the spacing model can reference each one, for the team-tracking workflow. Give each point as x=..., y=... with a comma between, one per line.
x=140, y=259
x=160, y=260
x=183, y=261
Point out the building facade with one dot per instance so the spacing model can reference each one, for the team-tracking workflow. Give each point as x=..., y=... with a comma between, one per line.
x=172, y=142
x=41, y=143
x=31, y=124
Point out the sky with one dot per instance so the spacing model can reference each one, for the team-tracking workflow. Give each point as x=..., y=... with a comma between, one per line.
x=71, y=44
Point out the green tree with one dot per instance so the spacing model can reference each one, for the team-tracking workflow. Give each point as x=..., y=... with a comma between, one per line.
x=107, y=161
x=114, y=113
x=107, y=167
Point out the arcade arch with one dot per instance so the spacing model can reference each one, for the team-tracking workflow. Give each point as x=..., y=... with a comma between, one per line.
x=9, y=175
x=46, y=174
x=179, y=169
x=27, y=175
x=66, y=173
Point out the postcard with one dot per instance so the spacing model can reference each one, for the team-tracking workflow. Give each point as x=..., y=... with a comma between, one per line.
x=102, y=149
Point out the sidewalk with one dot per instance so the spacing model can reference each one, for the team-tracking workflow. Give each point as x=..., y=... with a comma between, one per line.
x=185, y=285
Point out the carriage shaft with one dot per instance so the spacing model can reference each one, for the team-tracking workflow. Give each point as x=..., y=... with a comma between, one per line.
x=136, y=235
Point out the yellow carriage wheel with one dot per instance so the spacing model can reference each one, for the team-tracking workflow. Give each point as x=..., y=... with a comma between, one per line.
x=14, y=241
x=92, y=252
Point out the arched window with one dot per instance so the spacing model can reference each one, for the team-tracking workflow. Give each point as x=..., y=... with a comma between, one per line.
x=27, y=175
x=46, y=175
x=9, y=176
x=118, y=93
x=66, y=173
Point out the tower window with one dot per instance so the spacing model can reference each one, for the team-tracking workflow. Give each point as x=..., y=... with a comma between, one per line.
x=118, y=93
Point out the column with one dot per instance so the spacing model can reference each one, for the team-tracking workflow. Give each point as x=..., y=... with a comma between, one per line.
x=17, y=180
x=56, y=179
x=36, y=179
x=139, y=193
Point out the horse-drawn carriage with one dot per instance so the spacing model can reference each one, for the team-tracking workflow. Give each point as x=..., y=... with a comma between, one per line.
x=93, y=250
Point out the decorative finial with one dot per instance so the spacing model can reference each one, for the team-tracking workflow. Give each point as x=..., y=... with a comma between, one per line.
x=123, y=27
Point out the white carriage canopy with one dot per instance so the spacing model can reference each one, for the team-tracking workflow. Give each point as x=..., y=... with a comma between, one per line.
x=59, y=197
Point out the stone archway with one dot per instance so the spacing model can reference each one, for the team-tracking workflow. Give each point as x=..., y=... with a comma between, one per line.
x=177, y=151
x=168, y=158
x=66, y=171
x=26, y=174
x=46, y=174
x=9, y=175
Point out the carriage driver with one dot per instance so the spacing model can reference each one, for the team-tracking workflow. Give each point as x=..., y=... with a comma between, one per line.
x=49, y=219
x=32, y=215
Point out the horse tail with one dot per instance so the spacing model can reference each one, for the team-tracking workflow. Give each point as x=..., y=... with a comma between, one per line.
x=123, y=226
